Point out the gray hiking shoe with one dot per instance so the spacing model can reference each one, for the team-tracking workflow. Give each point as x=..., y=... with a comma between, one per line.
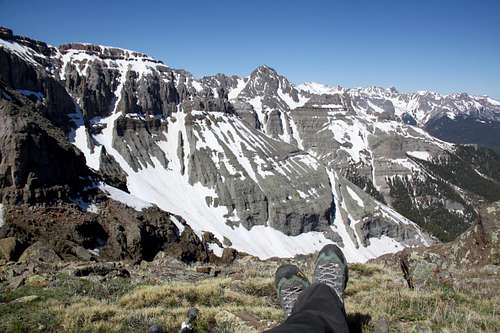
x=330, y=268
x=289, y=282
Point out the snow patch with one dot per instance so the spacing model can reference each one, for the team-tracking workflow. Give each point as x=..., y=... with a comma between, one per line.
x=81, y=139
x=355, y=197
x=178, y=224
x=493, y=101
x=216, y=249
x=421, y=155
x=233, y=93
x=2, y=222
x=124, y=197
x=21, y=51
x=318, y=88
x=86, y=206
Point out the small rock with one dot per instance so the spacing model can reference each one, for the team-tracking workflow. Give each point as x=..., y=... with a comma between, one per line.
x=26, y=299
x=101, y=269
x=227, y=242
x=228, y=255
x=204, y=269
x=381, y=326
x=10, y=248
x=215, y=272
x=82, y=253
x=37, y=281
x=16, y=282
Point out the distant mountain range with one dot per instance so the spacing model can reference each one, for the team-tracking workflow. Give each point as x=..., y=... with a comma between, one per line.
x=267, y=167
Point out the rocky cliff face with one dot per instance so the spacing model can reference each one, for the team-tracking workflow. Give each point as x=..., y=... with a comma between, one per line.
x=30, y=146
x=377, y=138
x=254, y=160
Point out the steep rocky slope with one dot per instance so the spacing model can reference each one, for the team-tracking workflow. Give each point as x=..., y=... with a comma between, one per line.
x=256, y=160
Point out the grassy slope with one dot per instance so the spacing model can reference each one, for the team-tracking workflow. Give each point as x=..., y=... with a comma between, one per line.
x=241, y=302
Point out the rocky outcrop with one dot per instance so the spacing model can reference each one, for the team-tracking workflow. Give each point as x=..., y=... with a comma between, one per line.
x=189, y=248
x=95, y=90
x=135, y=140
x=148, y=95
x=476, y=250
x=111, y=171
x=37, y=163
x=246, y=112
x=116, y=233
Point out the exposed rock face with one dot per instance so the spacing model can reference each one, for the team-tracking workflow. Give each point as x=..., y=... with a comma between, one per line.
x=133, y=139
x=32, y=152
x=148, y=95
x=254, y=197
x=368, y=219
x=95, y=91
x=27, y=72
x=246, y=112
x=111, y=171
x=116, y=233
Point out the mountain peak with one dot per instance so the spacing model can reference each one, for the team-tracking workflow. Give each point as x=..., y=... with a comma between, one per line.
x=264, y=70
x=265, y=67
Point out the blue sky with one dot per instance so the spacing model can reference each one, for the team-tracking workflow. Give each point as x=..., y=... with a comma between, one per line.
x=442, y=45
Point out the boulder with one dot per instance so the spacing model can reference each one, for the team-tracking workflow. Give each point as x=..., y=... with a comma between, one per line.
x=228, y=255
x=39, y=252
x=10, y=248
x=189, y=248
x=104, y=269
x=209, y=237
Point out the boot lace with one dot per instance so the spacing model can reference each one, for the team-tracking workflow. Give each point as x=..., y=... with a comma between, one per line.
x=331, y=274
x=289, y=297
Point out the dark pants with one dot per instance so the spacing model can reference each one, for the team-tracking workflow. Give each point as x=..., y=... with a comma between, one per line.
x=317, y=310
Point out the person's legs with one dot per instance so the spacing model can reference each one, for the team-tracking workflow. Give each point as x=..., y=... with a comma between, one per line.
x=319, y=308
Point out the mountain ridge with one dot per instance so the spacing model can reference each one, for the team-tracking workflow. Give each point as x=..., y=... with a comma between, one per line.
x=269, y=167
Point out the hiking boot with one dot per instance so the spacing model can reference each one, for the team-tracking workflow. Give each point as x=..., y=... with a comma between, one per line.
x=289, y=282
x=330, y=268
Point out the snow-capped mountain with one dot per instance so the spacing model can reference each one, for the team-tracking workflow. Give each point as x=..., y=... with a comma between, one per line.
x=458, y=118
x=269, y=168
